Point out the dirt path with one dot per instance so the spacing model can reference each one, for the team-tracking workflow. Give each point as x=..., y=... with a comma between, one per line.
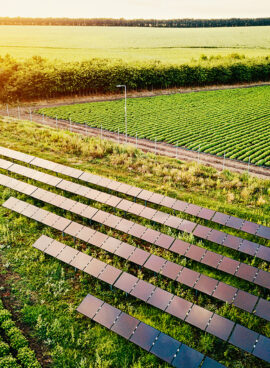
x=160, y=148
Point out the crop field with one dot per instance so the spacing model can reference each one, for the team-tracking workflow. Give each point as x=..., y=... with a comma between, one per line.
x=232, y=122
x=132, y=44
x=14, y=349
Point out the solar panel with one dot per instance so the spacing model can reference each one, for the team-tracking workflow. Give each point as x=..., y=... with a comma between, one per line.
x=243, y=338
x=124, y=250
x=73, y=228
x=193, y=209
x=136, y=209
x=156, y=198
x=250, y=227
x=220, y=218
x=225, y=292
x=187, y=226
x=173, y=221
x=232, y=241
x=124, y=225
x=263, y=309
x=123, y=188
x=124, y=205
x=144, y=336
x=61, y=224
x=228, y=265
x=235, y=223
x=98, y=239
x=165, y=347
x=154, y=263
x=195, y=252
x=263, y=279
x=264, y=232
x=179, y=205
x=187, y=357
x=211, y=259
x=106, y=315
x=160, y=298
x=264, y=253
x=137, y=230
x=67, y=254
x=160, y=217
x=50, y=220
x=89, y=212
x=206, y=284
x=206, y=214
x=126, y=282
x=42, y=242
x=144, y=195
x=179, y=246
x=179, y=307
x=210, y=363
x=188, y=277
x=67, y=204
x=220, y=327
x=201, y=231
x=245, y=301
x=246, y=272
x=112, y=221
x=30, y=210
x=142, y=290
x=134, y=192
x=139, y=256
x=248, y=247
x=40, y=215
x=171, y=270
x=199, y=317
x=125, y=325
x=78, y=208
x=216, y=236
x=262, y=348
x=100, y=216
x=148, y=213
x=110, y=274
x=167, y=202
x=54, y=248
x=150, y=235
x=95, y=267
x=164, y=241
x=111, y=244
x=81, y=260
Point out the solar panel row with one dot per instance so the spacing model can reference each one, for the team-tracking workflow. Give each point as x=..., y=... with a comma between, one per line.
x=217, y=261
x=203, y=232
x=157, y=264
x=145, y=195
x=148, y=338
x=193, y=314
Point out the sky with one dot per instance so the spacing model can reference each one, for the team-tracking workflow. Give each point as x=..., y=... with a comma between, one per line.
x=130, y=9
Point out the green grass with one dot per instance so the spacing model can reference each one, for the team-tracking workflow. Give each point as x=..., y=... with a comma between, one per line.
x=129, y=43
x=234, y=122
x=48, y=291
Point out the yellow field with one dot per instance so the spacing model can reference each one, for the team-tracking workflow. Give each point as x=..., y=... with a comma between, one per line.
x=129, y=43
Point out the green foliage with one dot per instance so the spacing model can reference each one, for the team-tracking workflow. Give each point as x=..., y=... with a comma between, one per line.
x=27, y=358
x=38, y=78
x=8, y=362
x=4, y=315
x=4, y=349
x=17, y=340
x=234, y=122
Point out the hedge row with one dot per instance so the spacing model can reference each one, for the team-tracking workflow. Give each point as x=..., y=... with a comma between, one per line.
x=38, y=78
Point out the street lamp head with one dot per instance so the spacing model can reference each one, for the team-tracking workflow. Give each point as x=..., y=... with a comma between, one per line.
x=120, y=85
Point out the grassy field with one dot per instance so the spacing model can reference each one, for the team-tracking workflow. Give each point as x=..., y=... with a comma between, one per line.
x=47, y=292
x=129, y=43
x=234, y=122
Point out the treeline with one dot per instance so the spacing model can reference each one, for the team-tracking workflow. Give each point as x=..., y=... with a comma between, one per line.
x=38, y=78
x=167, y=23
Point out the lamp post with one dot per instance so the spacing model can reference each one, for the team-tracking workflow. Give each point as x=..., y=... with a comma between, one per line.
x=125, y=87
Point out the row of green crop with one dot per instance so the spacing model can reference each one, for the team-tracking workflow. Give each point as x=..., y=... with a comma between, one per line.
x=231, y=122
x=40, y=78
x=14, y=349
